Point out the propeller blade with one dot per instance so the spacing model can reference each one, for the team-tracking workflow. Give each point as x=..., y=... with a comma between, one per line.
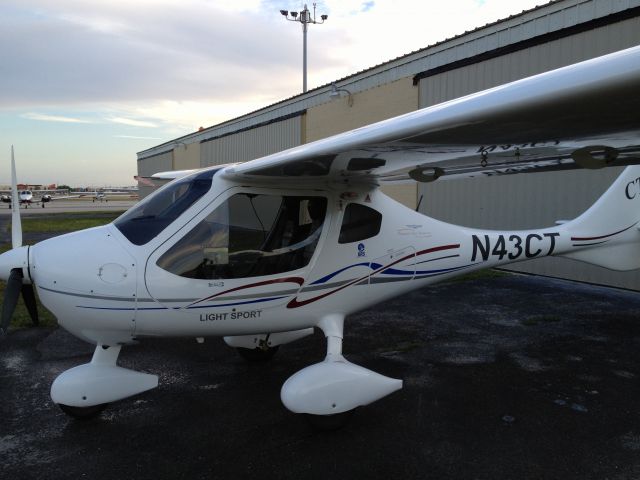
x=11, y=294
x=16, y=226
x=29, y=297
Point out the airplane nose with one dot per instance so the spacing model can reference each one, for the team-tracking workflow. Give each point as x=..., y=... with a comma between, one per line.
x=14, y=258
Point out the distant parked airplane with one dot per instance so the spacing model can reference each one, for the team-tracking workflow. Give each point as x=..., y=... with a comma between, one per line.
x=26, y=197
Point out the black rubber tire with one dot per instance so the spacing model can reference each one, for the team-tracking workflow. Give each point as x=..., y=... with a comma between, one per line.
x=329, y=423
x=257, y=355
x=83, y=413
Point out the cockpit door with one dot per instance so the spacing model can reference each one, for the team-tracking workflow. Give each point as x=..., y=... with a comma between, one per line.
x=251, y=247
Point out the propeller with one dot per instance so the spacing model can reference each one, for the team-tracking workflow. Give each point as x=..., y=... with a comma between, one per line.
x=13, y=261
x=16, y=225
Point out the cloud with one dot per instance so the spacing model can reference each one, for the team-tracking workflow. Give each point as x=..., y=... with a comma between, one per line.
x=134, y=137
x=154, y=69
x=133, y=123
x=80, y=52
x=53, y=118
x=73, y=52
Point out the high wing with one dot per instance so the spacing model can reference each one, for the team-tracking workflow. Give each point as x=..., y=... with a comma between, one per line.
x=585, y=115
x=49, y=198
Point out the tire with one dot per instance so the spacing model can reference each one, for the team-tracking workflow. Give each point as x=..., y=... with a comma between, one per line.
x=329, y=423
x=83, y=413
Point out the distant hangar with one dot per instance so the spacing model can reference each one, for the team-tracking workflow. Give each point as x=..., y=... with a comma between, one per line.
x=553, y=35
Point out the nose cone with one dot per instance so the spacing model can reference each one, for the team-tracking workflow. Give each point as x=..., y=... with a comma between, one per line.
x=14, y=258
x=88, y=261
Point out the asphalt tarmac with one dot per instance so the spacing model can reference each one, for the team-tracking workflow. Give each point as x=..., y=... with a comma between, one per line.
x=514, y=377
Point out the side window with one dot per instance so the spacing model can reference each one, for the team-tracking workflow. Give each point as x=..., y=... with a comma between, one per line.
x=359, y=223
x=249, y=235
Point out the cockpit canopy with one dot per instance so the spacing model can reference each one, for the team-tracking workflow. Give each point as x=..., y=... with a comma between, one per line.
x=156, y=212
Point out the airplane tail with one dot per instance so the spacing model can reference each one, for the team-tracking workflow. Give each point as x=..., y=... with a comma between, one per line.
x=608, y=232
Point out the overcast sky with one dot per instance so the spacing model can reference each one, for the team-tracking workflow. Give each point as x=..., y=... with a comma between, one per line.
x=84, y=85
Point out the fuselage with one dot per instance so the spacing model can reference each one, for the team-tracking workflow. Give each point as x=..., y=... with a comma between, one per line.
x=116, y=283
x=26, y=196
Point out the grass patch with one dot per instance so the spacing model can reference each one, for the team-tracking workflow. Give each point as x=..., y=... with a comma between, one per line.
x=65, y=222
x=21, y=318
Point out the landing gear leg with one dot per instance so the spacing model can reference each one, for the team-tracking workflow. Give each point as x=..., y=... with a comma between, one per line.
x=333, y=328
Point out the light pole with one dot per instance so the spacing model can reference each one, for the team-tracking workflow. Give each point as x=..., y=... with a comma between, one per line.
x=305, y=19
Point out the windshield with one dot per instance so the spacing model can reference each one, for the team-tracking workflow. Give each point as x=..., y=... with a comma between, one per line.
x=153, y=214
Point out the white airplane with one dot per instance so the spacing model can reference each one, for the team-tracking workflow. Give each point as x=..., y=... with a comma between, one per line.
x=263, y=252
x=26, y=198
x=103, y=196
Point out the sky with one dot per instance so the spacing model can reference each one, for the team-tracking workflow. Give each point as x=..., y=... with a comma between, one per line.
x=85, y=85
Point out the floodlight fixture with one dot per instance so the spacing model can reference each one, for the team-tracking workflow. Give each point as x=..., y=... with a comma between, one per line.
x=305, y=19
x=335, y=93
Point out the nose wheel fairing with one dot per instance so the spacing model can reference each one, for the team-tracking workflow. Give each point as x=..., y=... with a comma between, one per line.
x=100, y=381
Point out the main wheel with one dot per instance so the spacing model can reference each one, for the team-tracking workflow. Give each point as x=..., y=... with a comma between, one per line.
x=259, y=354
x=329, y=423
x=83, y=413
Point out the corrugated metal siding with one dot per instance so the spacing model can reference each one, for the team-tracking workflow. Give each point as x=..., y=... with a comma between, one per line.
x=537, y=59
x=537, y=200
x=158, y=163
x=253, y=143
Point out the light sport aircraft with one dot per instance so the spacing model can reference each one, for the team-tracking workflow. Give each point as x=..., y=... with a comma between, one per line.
x=263, y=252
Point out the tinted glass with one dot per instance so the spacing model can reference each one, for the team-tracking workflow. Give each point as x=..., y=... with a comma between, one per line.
x=153, y=214
x=249, y=235
x=359, y=223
